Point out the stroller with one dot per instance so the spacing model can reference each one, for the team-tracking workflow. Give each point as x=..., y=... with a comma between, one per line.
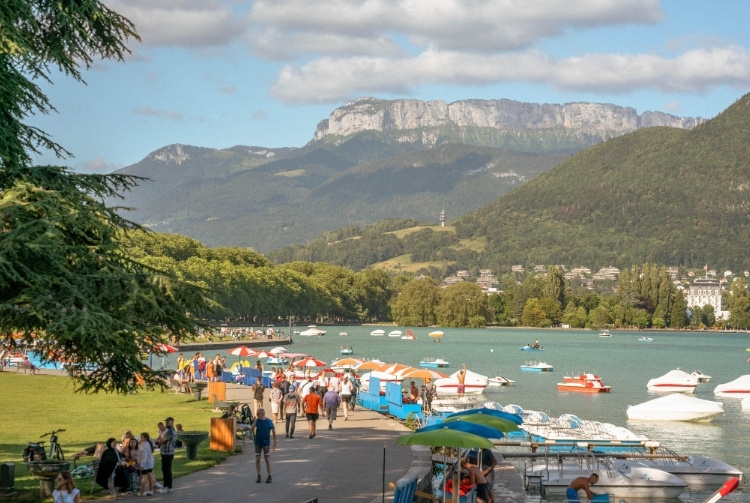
x=244, y=423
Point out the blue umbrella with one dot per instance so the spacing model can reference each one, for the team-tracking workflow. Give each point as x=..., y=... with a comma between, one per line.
x=490, y=412
x=467, y=427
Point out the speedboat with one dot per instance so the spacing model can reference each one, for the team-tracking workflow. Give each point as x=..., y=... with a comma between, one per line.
x=378, y=333
x=343, y=334
x=701, y=473
x=500, y=381
x=312, y=330
x=434, y=363
x=675, y=407
x=626, y=481
x=409, y=335
x=645, y=339
x=674, y=381
x=701, y=376
x=473, y=384
x=529, y=347
x=605, y=333
x=583, y=383
x=395, y=333
x=739, y=388
x=537, y=367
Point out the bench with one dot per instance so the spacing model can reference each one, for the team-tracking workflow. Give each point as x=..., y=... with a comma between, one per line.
x=26, y=366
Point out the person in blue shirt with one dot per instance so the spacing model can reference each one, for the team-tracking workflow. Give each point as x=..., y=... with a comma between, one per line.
x=263, y=429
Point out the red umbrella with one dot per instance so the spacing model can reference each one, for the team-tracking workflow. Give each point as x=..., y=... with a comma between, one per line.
x=310, y=362
x=264, y=354
x=243, y=351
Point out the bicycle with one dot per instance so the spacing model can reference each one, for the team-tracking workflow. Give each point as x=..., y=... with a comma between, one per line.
x=83, y=471
x=55, y=450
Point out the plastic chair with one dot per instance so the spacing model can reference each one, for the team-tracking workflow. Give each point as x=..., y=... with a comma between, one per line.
x=405, y=491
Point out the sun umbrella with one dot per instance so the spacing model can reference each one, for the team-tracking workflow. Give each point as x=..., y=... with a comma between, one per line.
x=467, y=427
x=371, y=365
x=160, y=348
x=264, y=354
x=242, y=351
x=279, y=349
x=490, y=412
x=505, y=425
x=445, y=437
x=310, y=362
x=347, y=363
x=423, y=374
x=394, y=368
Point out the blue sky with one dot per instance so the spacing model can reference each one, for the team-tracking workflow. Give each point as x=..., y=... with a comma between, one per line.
x=219, y=73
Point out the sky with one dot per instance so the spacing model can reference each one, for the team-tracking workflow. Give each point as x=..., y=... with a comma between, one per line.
x=220, y=73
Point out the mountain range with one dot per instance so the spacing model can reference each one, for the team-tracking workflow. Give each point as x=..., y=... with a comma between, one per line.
x=370, y=160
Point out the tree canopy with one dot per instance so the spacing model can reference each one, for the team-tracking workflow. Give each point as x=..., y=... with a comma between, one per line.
x=67, y=284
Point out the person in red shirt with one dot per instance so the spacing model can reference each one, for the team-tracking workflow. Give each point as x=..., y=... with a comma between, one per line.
x=312, y=405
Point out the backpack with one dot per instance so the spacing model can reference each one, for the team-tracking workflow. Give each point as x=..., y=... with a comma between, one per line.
x=246, y=414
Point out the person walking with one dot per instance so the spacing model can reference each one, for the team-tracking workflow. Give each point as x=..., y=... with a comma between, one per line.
x=258, y=389
x=291, y=406
x=331, y=401
x=312, y=404
x=167, y=443
x=276, y=396
x=346, y=395
x=263, y=429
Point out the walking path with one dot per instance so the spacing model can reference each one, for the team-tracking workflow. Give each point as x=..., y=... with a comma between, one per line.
x=343, y=464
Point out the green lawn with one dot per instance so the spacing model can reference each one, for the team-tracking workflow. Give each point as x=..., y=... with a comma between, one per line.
x=36, y=404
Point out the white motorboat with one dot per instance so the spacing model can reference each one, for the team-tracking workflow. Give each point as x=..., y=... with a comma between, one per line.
x=745, y=404
x=312, y=330
x=701, y=376
x=474, y=384
x=605, y=333
x=674, y=381
x=395, y=333
x=701, y=473
x=409, y=335
x=739, y=388
x=629, y=481
x=500, y=381
x=378, y=333
x=451, y=404
x=675, y=407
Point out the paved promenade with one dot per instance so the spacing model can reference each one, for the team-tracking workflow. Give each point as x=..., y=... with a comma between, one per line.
x=343, y=464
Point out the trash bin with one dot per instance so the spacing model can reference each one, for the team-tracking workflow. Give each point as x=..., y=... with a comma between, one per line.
x=7, y=478
x=222, y=434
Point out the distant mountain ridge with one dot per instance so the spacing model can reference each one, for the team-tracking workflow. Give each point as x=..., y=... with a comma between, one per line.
x=595, y=120
x=263, y=198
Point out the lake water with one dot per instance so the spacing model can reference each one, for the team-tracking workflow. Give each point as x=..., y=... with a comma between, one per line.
x=621, y=361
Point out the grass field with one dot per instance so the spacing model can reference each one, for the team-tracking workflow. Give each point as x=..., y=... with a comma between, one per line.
x=36, y=404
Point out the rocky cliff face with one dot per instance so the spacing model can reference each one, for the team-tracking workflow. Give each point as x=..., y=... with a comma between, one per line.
x=591, y=119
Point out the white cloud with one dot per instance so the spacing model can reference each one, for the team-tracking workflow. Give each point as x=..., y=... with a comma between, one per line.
x=97, y=165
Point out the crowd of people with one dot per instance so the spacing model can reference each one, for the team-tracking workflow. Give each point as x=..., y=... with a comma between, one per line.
x=198, y=368
x=127, y=466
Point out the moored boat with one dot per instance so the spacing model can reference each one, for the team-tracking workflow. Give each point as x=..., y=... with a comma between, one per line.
x=395, y=333
x=645, y=339
x=378, y=333
x=739, y=388
x=583, y=383
x=343, y=334
x=675, y=407
x=473, y=384
x=674, y=381
x=700, y=473
x=529, y=347
x=537, y=367
x=409, y=335
x=312, y=330
x=346, y=351
x=434, y=363
x=701, y=376
x=605, y=333
x=500, y=381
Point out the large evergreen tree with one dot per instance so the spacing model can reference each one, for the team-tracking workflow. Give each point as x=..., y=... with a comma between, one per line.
x=65, y=281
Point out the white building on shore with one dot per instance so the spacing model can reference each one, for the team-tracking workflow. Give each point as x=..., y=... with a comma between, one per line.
x=704, y=292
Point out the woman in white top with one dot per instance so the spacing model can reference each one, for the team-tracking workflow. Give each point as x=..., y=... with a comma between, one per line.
x=66, y=491
x=146, y=462
x=346, y=395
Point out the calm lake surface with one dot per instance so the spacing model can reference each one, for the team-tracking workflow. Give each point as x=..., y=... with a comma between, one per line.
x=621, y=361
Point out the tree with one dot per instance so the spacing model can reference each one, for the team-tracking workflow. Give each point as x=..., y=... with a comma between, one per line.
x=462, y=305
x=65, y=279
x=533, y=314
x=416, y=303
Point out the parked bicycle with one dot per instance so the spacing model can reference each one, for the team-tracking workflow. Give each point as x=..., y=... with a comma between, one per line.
x=83, y=471
x=55, y=450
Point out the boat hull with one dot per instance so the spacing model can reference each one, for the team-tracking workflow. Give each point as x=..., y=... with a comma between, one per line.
x=583, y=387
x=700, y=473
